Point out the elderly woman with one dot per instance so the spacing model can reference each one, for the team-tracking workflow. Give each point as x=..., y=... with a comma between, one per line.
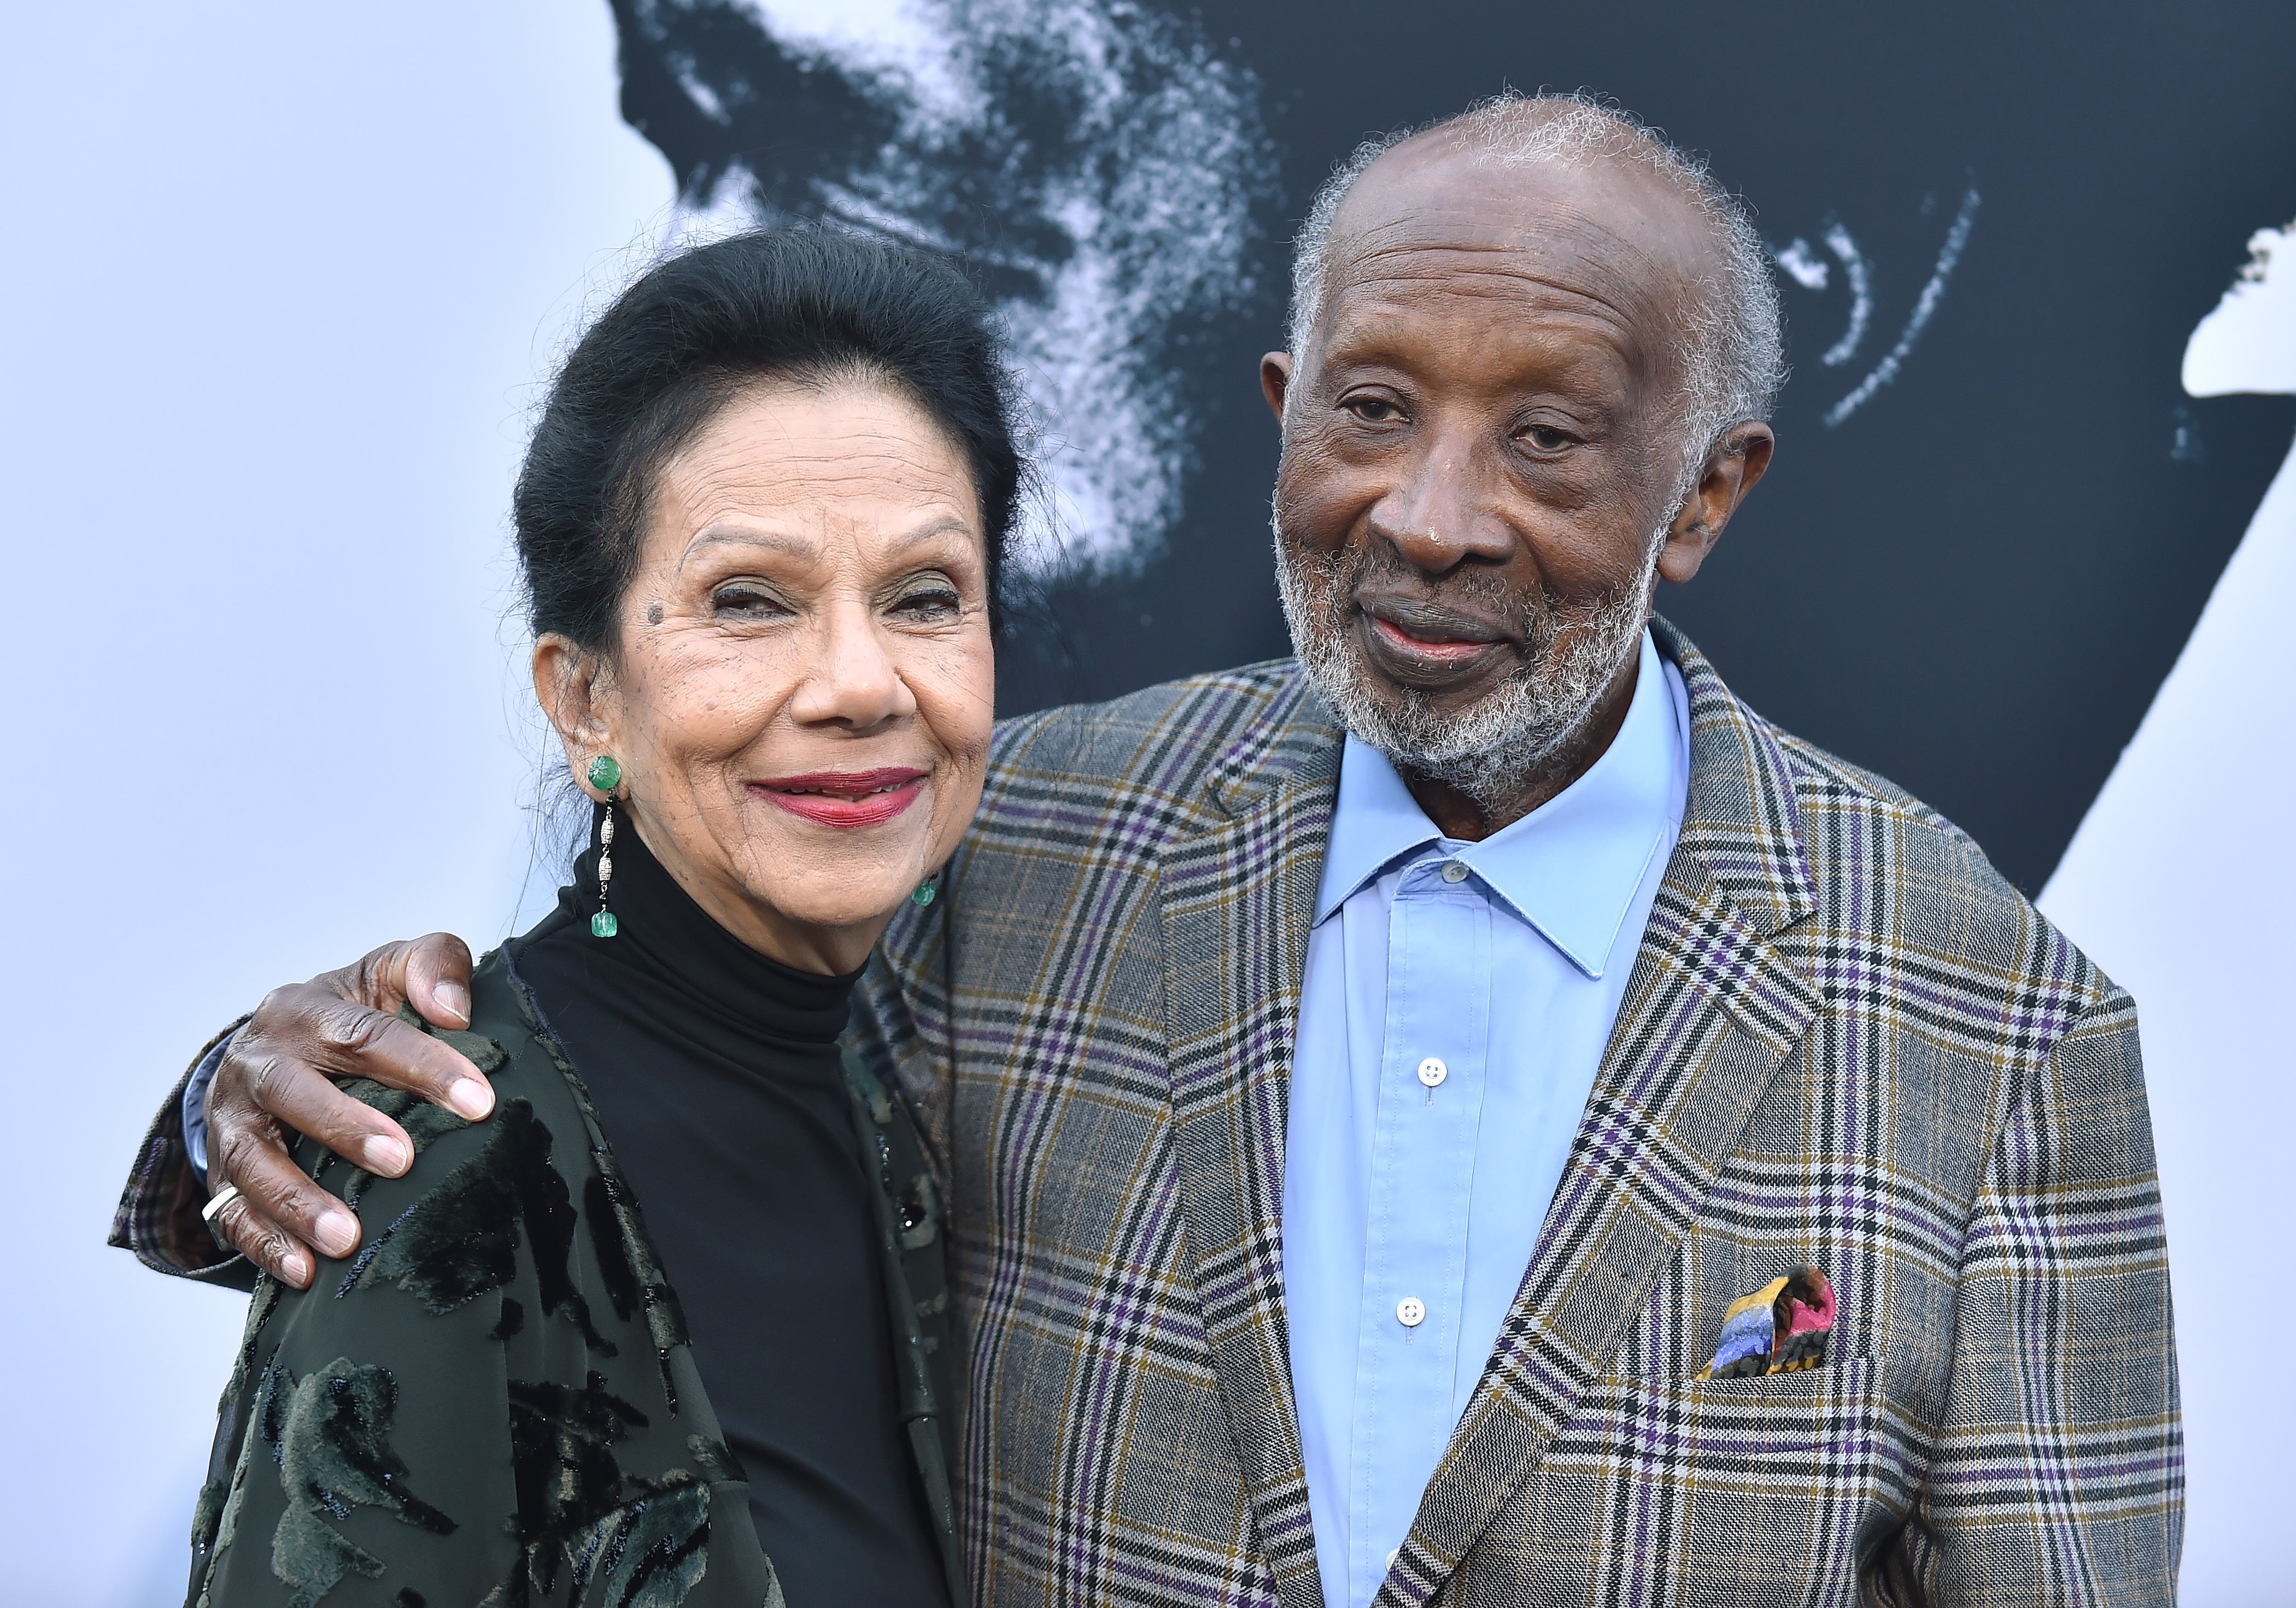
x=663, y=1327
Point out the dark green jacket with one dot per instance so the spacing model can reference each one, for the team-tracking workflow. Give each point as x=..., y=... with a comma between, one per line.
x=493, y=1402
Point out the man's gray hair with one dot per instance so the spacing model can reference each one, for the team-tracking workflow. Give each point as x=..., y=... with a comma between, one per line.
x=1732, y=356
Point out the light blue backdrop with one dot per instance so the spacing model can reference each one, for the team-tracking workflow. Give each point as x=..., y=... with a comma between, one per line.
x=277, y=283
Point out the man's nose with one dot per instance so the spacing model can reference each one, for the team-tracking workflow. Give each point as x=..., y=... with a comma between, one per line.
x=1439, y=514
x=855, y=681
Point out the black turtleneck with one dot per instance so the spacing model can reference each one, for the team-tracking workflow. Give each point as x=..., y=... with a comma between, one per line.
x=715, y=1071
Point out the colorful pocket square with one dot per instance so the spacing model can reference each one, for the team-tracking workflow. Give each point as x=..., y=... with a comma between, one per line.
x=1781, y=1328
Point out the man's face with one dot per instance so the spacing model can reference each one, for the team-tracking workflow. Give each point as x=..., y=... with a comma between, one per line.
x=1481, y=459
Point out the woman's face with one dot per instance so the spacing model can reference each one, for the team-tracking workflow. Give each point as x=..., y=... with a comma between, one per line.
x=804, y=686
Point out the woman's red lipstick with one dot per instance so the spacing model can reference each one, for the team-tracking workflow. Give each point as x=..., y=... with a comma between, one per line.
x=844, y=798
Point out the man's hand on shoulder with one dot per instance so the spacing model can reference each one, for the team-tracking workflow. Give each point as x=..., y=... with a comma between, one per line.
x=279, y=1075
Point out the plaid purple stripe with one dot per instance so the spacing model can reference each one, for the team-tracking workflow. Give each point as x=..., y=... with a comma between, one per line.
x=1846, y=1042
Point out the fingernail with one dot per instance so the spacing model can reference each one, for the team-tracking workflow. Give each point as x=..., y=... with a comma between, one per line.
x=453, y=997
x=384, y=1156
x=470, y=1098
x=295, y=1270
x=336, y=1233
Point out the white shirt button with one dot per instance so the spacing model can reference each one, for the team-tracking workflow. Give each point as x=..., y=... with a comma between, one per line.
x=1432, y=1071
x=1393, y=1556
x=1411, y=1311
x=1454, y=871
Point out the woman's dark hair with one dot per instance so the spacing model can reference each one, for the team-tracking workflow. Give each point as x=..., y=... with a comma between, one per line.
x=791, y=304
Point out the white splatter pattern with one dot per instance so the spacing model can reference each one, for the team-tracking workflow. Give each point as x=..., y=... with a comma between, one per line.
x=1132, y=230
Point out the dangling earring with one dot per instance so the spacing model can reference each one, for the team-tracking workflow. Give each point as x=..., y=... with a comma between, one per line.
x=605, y=775
x=925, y=893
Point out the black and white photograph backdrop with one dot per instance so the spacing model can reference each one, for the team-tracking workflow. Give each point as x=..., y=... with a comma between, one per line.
x=283, y=283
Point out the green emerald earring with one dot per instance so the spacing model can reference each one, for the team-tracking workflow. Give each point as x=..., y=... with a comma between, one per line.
x=924, y=895
x=605, y=775
x=603, y=925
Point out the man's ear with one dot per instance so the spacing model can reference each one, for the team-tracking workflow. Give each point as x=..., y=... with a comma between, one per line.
x=1276, y=381
x=567, y=684
x=1736, y=466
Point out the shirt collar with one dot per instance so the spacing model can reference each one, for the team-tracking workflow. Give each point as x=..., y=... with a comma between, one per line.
x=1570, y=868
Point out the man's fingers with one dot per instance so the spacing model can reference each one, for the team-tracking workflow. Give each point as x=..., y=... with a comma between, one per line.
x=280, y=1192
x=280, y=1069
x=265, y=1244
x=307, y=1026
x=263, y=1172
x=432, y=973
x=309, y=1103
x=438, y=978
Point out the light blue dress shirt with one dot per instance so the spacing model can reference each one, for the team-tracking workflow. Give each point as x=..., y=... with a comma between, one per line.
x=1457, y=1001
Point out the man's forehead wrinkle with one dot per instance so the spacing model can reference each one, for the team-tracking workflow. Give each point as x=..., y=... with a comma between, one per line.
x=1495, y=268
x=1518, y=285
x=1380, y=307
x=1611, y=219
x=1625, y=258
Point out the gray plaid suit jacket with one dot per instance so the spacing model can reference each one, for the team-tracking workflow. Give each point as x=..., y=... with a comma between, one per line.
x=1846, y=1041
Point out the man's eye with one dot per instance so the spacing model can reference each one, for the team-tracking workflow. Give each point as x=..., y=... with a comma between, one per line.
x=1546, y=437
x=747, y=603
x=1373, y=410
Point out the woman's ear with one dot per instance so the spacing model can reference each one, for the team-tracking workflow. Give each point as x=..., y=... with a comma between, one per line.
x=570, y=684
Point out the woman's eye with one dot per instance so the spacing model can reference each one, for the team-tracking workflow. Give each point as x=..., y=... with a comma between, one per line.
x=1373, y=410
x=929, y=603
x=747, y=603
x=1546, y=437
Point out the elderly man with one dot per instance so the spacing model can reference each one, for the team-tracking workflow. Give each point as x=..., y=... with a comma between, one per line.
x=1476, y=1111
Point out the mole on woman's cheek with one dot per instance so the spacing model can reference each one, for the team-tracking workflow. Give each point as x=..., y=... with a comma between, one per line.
x=654, y=613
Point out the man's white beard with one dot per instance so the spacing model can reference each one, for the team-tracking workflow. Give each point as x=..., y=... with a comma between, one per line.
x=1492, y=749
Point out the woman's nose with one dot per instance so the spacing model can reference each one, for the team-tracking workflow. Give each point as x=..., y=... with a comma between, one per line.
x=856, y=681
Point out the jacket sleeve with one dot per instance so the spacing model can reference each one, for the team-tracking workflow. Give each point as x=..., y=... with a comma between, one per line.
x=2058, y=1476
x=159, y=1214
x=362, y=1451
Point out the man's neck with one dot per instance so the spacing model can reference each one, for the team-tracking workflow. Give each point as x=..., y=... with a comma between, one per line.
x=1458, y=817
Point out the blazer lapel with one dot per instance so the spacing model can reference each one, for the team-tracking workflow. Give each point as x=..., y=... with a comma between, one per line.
x=1238, y=901
x=1712, y=1010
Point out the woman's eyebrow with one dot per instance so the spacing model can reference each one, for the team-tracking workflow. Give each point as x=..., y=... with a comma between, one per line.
x=800, y=546
x=745, y=536
x=945, y=525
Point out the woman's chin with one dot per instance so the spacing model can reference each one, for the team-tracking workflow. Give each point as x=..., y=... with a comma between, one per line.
x=831, y=897
x=795, y=874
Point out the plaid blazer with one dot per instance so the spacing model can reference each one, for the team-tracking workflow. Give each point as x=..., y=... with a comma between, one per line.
x=1846, y=1041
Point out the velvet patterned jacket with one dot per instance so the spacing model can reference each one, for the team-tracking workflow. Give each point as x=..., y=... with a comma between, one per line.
x=1845, y=1043
x=493, y=1402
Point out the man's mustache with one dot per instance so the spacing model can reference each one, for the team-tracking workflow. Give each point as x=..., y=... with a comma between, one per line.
x=1464, y=605
x=1432, y=618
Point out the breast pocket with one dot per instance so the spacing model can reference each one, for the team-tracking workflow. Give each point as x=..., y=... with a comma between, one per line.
x=1732, y=1493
